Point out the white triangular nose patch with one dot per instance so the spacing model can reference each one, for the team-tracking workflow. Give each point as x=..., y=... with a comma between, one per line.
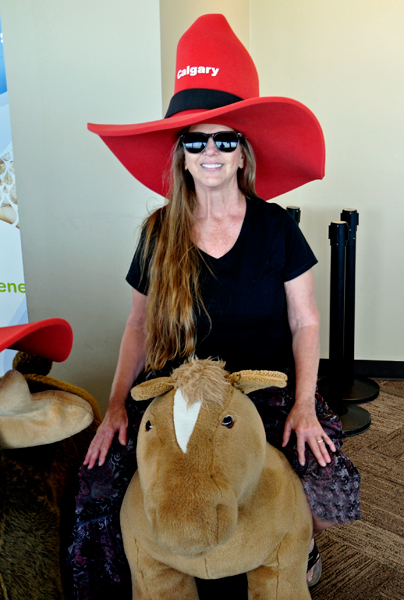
x=185, y=418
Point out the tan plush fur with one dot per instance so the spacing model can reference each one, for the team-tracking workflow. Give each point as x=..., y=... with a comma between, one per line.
x=250, y=381
x=230, y=504
x=200, y=380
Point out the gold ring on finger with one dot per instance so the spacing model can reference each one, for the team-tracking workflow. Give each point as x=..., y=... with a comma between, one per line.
x=320, y=441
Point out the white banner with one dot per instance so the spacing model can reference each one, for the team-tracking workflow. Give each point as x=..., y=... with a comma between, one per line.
x=13, y=306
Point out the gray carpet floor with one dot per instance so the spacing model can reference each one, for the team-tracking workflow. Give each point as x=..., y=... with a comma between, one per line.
x=365, y=560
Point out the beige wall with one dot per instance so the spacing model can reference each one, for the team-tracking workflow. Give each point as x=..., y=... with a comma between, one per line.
x=345, y=61
x=69, y=63
x=178, y=15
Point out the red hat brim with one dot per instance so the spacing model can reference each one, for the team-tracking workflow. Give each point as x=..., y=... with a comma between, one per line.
x=50, y=338
x=286, y=136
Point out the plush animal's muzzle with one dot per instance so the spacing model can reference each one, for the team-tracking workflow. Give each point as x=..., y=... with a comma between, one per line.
x=190, y=523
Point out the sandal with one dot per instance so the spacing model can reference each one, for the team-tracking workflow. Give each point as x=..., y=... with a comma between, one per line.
x=314, y=563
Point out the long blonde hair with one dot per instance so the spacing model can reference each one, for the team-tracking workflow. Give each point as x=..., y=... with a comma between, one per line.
x=174, y=261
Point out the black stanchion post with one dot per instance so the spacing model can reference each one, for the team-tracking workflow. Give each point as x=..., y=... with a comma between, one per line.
x=295, y=212
x=356, y=389
x=337, y=233
x=351, y=217
x=354, y=418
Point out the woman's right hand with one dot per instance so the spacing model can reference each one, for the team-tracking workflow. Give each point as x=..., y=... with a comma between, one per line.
x=115, y=420
x=132, y=356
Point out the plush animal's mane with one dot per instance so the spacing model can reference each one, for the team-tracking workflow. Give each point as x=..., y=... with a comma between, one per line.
x=202, y=380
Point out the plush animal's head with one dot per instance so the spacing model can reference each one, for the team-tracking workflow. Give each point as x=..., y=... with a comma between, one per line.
x=201, y=450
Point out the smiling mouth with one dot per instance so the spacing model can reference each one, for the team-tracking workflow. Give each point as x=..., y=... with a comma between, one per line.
x=211, y=166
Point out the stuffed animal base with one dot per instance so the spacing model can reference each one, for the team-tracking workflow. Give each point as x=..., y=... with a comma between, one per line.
x=220, y=503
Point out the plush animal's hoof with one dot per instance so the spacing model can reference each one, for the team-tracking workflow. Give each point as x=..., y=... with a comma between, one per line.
x=314, y=568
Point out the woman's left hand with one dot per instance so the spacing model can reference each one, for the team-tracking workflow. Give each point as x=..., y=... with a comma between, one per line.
x=303, y=421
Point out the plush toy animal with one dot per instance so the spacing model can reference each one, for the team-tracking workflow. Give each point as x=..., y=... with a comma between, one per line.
x=211, y=498
x=46, y=426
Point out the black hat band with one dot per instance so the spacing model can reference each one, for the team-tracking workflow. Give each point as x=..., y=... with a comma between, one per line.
x=199, y=98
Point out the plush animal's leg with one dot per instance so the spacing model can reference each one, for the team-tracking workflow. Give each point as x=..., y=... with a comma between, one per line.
x=278, y=584
x=262, y=583
x=152, y=580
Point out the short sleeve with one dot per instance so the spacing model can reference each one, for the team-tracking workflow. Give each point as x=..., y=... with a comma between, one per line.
x=299, y=257
x=138, y=274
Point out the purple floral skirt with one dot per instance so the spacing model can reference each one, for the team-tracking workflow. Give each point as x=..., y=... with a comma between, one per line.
x=96, y=559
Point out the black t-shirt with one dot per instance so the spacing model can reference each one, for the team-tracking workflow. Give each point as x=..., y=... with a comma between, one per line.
x=244, y=294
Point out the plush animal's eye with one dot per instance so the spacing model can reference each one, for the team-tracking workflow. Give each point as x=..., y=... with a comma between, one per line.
x=148, y=426
x=228, y=421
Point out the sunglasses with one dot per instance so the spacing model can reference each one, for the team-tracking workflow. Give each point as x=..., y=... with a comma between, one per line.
x=225, y=141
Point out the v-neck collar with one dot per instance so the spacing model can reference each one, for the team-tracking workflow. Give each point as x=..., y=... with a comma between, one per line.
x=239, y=241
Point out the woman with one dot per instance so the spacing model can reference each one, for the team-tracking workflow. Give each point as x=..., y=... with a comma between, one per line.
x=219, y=272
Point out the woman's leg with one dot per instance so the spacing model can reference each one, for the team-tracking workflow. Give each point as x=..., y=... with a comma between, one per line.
x=96, y=556
x=319, y=525
x=314, y=573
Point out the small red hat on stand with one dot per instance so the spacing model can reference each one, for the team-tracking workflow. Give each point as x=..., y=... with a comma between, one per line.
x=50, y=338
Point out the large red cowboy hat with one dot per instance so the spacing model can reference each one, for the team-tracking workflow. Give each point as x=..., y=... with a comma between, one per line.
x=50, y=338
x=217, y=82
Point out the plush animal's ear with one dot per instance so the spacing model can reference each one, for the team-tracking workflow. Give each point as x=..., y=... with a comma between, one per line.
x=152, y=388
x=250, y=381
